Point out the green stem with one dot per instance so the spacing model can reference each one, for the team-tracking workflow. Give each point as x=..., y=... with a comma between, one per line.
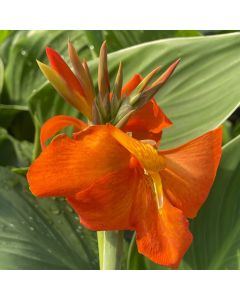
x=100, y=237
x=110, y=246
x=36, y=146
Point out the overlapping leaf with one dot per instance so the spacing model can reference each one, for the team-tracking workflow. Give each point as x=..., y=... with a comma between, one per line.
x=217, y=228
x=22, y=74
x=40, y=233
x=4, y=34
x=1, y=76
x=13, y=152
x=120, y=39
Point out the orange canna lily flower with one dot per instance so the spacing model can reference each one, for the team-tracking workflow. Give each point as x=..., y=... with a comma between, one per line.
x=116, y=179
x=115, y=182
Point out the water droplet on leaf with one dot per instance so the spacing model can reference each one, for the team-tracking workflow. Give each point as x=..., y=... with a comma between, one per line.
x=79, y=229
x=23, y=52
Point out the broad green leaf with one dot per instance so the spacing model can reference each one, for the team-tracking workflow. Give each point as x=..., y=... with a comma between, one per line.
x=236, y=130
x=216, y=229
x=213, y=32
x=4, y=54
x=1, y=75
x=227, y=132
x=9, y=112
x=120, y=39
x=18, y=121
x=7, y=43
x=95, y=39
x=46, y=103
x=203, y=91
x=22, y=74
x=4, y=34
x=40, y=233
x=13, y=152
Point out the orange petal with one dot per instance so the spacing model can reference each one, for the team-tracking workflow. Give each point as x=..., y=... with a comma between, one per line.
x=106, y=205
x=59, y=65
x=190, y=171
x=68, y=166
x=162, y=234
x=148, y=122
x=53, y=125
x=131, y=85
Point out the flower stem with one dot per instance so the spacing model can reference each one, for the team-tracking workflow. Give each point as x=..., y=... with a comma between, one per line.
x=36, y=146
x=110, y=246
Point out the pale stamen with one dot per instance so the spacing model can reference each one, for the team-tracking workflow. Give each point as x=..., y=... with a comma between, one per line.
x=150, y=142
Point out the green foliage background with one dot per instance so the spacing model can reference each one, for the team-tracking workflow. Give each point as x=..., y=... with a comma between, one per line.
x=203, y=94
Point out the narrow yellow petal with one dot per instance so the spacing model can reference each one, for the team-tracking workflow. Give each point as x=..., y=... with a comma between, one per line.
x=146, y=154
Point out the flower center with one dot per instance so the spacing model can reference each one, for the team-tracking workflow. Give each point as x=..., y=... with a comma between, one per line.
x=156, y=179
